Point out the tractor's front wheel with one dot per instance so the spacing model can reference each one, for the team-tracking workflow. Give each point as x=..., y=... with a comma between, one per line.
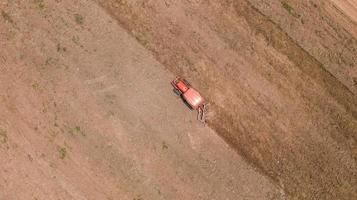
x=186, y=82
x=177, y=91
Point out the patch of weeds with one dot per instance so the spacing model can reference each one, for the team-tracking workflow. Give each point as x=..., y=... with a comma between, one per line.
x=48, y=61
x=44, y=109
x=6, y=17
x=60, y=48
x=3, y=136
x=289, y=8
x=75, y=39
x=40, y=4
x=76, y=130
x=36, y=86
x=51, y=61
x=164, y=146
x=79, y=19
x=138, y=198
x=142, y=38
x=62, y=152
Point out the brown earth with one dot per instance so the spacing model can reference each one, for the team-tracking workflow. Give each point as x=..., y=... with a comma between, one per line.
x=88, y=112
x=280, y=77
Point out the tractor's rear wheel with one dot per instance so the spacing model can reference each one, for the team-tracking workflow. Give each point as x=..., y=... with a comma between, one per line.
x=187, y=104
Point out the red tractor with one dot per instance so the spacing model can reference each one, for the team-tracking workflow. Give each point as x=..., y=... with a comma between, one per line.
x=191, y=97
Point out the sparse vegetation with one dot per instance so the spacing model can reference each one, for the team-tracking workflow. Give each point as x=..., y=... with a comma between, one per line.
x=48, y=61
x=76, y=130
x=6, y=17
x=142, y=38
x=3, y=136
x=62, y=152
x=75, y=39
x=36, y=86
x=290, y=120
x=40, y=4
x=164, y=145
x=60, y=48
x=289, y=8
x=79, y=19
x=44, y=109
x=138, y=198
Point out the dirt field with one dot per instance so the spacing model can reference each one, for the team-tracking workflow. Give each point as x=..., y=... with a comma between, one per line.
x=280, y=76
x=87, y=111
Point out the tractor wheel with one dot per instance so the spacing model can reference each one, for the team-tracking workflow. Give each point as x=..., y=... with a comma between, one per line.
x=186, y=82
x=187, y=104
x=176, y=91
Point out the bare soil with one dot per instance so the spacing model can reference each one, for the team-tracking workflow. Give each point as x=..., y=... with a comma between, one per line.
x=88, y=113
x=280, y=77
x=87, y=110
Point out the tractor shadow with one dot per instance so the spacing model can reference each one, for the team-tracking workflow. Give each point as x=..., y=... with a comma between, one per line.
x=182, y=99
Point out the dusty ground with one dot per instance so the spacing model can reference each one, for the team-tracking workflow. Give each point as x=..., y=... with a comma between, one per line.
x=280, y=76
x=88, y=112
